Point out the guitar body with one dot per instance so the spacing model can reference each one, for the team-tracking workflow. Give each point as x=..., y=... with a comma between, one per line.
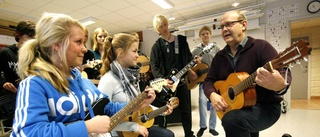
x=176, y=75
x=97, y=107
x=135, y=117
x=145, y=64
x=166, y=93
x=145, y=116
x=246, y=98
x=84, y=74
x=91, y=69
x=176, y=81
x=201, y=70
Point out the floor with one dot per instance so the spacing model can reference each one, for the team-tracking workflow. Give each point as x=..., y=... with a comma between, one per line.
x=302, y=120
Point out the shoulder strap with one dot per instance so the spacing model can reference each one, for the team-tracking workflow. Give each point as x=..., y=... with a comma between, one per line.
x=176, y=45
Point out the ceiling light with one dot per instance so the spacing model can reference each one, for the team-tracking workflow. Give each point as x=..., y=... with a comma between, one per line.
x=235, y=3
x=87, y=21
x=165, y=4
x=172, y=18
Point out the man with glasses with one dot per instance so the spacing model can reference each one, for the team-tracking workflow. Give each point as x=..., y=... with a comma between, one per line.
x=246, y=54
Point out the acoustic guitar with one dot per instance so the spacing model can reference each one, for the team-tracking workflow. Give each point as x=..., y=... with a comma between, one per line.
x=144, y=63
x=90, y=65
x=239, y=89
x=201, y=69
x=176, y=75
x=98, y=106
x=145, y=116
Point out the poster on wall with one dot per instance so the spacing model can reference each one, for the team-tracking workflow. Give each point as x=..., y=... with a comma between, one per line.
x=277, y=24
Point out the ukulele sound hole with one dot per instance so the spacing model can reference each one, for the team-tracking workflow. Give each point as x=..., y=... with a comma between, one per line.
x=231, y=93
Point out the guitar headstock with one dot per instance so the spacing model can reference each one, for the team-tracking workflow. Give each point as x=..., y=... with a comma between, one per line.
x=295, y=52
x=157, y=84
x=91, y=64
x=208, y=48
x=174, y=102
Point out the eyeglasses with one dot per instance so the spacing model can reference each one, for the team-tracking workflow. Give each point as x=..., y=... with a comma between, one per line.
x=229, y=24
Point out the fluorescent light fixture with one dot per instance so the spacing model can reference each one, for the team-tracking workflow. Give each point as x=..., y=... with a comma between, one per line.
x=172, y=18
x=87, y=21
x=235, y=3
x=165, y=4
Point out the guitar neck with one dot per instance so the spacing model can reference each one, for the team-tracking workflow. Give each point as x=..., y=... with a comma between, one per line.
x=157, y=112
x=145, y=63
x=193, y=62
x=185, y=69
x=245, y=84
x=125, y=111
x=251, y=79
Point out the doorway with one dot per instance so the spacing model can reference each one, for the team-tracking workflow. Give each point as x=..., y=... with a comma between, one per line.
x=301, y=86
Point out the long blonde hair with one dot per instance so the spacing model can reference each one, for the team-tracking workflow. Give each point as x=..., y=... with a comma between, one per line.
x=95, y=41
x=36, y=57
x=111, y=44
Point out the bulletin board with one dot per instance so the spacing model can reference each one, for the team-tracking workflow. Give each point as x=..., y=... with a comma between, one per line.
x=278, y=24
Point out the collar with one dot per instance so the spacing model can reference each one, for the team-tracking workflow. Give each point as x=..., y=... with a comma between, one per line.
x=240, y=46
x=244, y=41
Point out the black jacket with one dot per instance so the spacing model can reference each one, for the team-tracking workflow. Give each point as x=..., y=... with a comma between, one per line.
x=8, y=65
x=158, y=57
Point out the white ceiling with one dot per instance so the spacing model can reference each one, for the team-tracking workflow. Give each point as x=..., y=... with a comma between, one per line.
x=117, y=15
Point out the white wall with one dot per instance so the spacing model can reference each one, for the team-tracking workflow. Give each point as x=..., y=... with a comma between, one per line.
x=149, y=38
x=8, y=40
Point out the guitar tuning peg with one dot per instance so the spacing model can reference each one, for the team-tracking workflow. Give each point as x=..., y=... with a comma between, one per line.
x=305, y=59
x=294, y=42
x=298, y=62
x=290, y=65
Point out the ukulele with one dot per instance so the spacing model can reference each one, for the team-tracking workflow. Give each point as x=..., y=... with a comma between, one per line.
x=239, y=90
x=146, y=119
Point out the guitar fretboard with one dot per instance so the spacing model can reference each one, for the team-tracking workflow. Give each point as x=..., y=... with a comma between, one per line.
x=245, y=84
x=157, y=112
x=120, y=115
x=194, y=61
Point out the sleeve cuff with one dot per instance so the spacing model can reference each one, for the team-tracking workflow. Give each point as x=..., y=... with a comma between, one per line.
x=282, y=91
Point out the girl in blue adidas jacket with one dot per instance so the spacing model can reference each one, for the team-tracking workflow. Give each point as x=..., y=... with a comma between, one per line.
x=52, y=98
